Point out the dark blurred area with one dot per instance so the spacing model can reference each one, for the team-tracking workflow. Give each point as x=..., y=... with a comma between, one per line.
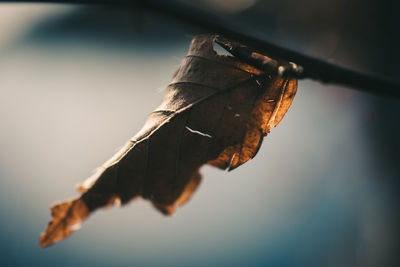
x=78, y=80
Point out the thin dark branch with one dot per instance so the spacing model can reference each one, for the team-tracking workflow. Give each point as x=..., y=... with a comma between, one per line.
x=313, y=68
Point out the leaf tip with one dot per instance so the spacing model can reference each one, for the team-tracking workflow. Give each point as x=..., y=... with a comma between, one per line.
x=67, y=217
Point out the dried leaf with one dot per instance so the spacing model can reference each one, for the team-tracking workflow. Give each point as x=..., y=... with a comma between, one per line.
x=216, y=110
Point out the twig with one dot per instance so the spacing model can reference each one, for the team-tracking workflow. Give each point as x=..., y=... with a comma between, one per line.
x=313, y=68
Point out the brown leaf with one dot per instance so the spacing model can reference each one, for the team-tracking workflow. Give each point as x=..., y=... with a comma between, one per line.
x=216, y=110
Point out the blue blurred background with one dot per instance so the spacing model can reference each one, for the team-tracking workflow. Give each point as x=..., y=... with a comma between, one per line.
x=77, y=81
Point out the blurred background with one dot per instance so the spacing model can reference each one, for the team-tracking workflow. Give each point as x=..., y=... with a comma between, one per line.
x=77, y=81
